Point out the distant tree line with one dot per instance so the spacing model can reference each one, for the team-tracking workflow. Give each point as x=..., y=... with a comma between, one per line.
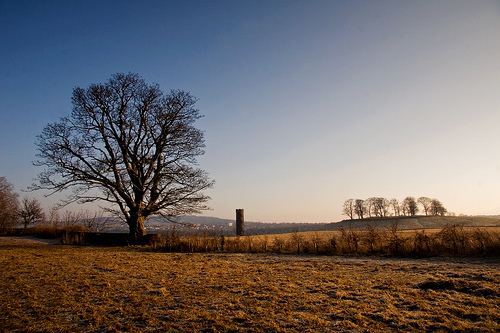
x=29, y=213
x=382, y=207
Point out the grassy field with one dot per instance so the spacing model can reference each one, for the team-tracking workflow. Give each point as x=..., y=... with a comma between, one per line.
x=325, y=235
x=450, y=240
x=55, y=288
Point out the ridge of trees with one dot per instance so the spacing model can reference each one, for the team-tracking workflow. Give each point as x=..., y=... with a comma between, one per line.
x=382, y=207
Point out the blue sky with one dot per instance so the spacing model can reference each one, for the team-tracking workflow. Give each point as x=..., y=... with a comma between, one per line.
x=306, y=103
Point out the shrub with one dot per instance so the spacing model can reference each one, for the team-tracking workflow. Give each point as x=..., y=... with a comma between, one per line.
x=278, y=245
x=371, y=239
x=395, y=242
x=422, y=244
x=350, y=239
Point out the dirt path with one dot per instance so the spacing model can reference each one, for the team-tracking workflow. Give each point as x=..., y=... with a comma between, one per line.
x=26, y=241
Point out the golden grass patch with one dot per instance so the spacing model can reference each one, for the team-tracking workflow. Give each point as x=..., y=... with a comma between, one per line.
x=58, y=288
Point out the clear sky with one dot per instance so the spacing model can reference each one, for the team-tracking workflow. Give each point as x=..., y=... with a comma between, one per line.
x=306, y=103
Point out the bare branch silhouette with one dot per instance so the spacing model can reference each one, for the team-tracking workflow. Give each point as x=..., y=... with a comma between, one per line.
x=130, y=145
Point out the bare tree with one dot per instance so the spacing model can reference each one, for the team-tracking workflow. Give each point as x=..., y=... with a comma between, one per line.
x=130, y=145
x=31, y=212
x=385, y=206
x=348, y=208
x=369, y=206
x=409, y=206
x=53, y=218
x=9, y=205
x=380, y=206
x=394, y=204
x=96, y=222
x=425, y=203
x=437, y=208
x=359, y=208
x=71, y=218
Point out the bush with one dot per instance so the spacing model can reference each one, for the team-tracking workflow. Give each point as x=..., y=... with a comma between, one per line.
x=422, y=244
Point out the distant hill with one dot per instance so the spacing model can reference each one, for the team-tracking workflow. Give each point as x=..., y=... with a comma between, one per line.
x=421, y=222
x=217, y=225
x=227, y=226
x=191, y=219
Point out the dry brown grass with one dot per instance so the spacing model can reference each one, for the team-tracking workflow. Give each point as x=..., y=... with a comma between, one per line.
x=327, y=234
x=452, y=240
x=56, y=288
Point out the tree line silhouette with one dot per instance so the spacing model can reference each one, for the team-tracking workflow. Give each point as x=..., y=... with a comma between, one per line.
x=382, y=207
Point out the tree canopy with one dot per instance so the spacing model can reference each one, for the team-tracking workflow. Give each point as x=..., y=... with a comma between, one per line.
x=130, y=145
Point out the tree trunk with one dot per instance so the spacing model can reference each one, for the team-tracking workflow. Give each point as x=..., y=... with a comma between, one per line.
x=136, y=227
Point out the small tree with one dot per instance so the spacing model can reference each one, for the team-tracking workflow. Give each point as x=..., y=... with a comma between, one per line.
x=9, y=205
x=359, y=208
x=54, y=217
x=369, y=206
x=437, y=208
x=425, y=203
x=371, y=237
x=31, y=212
x=348, y=208
x=409, y=206
x=380, y=206
x=395, y=240
x=394, y=204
